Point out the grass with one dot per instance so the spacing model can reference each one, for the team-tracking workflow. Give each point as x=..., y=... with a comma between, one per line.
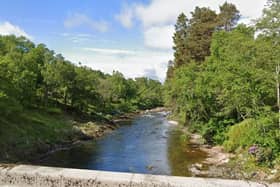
x=31, y=132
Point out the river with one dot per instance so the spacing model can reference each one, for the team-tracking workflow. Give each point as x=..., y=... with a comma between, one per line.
x=147, y=144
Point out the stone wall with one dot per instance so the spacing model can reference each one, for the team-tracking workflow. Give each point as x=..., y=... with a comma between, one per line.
x=26, y=176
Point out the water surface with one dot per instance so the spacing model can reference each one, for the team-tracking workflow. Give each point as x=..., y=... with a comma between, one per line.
x=148, y=144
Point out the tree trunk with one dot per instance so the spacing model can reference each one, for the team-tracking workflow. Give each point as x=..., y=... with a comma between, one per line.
x=278, y=92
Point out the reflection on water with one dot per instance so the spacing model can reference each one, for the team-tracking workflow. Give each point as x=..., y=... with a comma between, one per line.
x=181, y=155
x=149, y=144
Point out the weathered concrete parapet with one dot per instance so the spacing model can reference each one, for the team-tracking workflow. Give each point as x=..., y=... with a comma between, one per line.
x=27, y=176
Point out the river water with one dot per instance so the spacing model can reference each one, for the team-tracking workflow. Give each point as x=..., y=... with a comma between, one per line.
x=147, y=144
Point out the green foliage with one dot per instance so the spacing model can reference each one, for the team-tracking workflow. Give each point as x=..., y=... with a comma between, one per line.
x=53, y=111
x=32, y=77
x=262, y=133
x=269, y=23
x=192, y=37
x=264, y=155
x=202, y=25
x=242, y=135
x=149, y=93
x=230, y=85
x=8, y=106
x=31, y=133
x=179, y=38
x=228, y=17
x=214, y=132
x=225, y=89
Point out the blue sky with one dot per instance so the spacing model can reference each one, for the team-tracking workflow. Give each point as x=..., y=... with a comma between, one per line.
x=132, y=36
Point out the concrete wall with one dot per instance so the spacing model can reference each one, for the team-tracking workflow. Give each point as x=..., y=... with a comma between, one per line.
x=26, y=176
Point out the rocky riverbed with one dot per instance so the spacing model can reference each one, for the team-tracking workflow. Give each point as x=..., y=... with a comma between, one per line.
x=220, y=164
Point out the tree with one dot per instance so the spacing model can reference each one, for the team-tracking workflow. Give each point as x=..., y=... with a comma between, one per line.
x=170, y=70
x=149, y=93
x=20, y=72
x=8, y=94
x=269, y=23
x=118, y=87
x=179, y=39
x=228, y=16
x=230, y=86
x=201, y=27
x=84, y=94
x=278, y=91
x=30, y=74
x=192, y=37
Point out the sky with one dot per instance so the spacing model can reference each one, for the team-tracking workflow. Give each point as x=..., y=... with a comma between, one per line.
x=130, y=36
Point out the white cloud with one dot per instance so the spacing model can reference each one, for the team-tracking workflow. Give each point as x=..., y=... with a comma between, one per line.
x=7, y=28
x=151, y=73
x=158, y=15
x=161, y=12
x=78, y=38
x=142, y=63
x=125, y=17
x=85, y=39
x=159, y=36
x=77, y=20
x=111, y=51
x=157, y=18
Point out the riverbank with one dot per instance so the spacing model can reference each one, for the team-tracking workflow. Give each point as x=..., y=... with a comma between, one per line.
x=143, y=145
x=33, y=134
x=84, y=132
x=221, y=164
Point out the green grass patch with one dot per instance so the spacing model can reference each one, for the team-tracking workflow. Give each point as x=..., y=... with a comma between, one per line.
x=31, y=132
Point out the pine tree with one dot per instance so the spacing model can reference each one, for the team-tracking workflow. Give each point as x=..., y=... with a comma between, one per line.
x=179, y=38
x=170, y=70
x=228, y=17
x=201, y=27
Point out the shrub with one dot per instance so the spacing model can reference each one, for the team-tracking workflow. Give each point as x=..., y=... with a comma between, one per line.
x=214, y=131
x=262, y=134
x=8, y=106
x=52, y=110
x=241, y=135
x=264, y=155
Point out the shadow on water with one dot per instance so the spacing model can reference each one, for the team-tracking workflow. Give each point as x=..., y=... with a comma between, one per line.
x=181, y=155
x=148, y=144
x=76, y=157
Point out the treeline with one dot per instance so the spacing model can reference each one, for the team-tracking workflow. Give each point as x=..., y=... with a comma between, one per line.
x=33, y=76
x=223, y=80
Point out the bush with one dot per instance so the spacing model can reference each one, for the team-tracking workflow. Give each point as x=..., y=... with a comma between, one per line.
x=125, y=106
x=8, y=106
x=262, y=132
x=214, y=131
x=52, y=110
x=241, y=135
x=264, y=155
